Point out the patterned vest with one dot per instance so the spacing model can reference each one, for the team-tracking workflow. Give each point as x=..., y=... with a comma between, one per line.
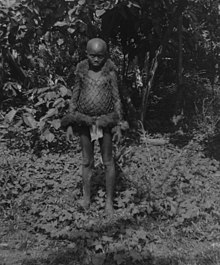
x=95, y=96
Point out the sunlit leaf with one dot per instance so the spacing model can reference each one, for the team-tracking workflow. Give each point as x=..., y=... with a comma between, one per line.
x=58, y=102
x=56, y=124
x=81, y=2
x=107, y=238
x=50, y=137
x=49, y=114
x=30, y=110
x=63, y=91
x=40, y=102
x=131, y=4
x=60, y=24
x=42, y=90
x=29, y=120
x=12, y=88
x=100, y=12
x=71, y=11
x=50, y=95
x=10, y=116
x=71, y=30
x=60, y=42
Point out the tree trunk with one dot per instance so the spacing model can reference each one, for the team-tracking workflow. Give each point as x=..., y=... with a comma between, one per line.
x=145, y=74
x=180, y=55
x=148, y=86
x=180, y=87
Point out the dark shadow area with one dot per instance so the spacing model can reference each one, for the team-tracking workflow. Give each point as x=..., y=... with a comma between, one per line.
x=180, y=139
x=31, y=143
x=212, y=147
x=69, y=257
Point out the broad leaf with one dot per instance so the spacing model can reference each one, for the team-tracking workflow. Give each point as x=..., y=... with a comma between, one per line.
x=49, y=114
x=63, y=91
x=10, y=116
x=81, y=2
x=50, y=137
x=100, y=12
x=56, y=124
x=59, y=102
x=60, y=42
x=71, y=30
x=29, y=120
x=50, y=95
x=60, y=24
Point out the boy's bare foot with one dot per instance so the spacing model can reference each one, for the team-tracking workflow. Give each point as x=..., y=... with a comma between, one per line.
x=86, y=203
x=109, y=210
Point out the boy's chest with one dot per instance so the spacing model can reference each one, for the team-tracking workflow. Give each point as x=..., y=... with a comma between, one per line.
x=95, y=96
x=95, y=82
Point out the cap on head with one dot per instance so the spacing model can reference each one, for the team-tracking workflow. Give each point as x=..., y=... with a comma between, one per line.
x=96, y=45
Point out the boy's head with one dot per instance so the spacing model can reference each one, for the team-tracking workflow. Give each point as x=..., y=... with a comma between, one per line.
x=96, y=52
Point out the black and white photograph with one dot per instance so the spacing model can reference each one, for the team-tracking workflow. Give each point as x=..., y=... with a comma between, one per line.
x=109, y=132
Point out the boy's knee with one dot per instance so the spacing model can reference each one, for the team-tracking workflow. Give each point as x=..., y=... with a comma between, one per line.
x=108, y=162
x=88, y=162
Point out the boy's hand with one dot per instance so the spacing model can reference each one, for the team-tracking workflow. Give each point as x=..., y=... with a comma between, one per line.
x=69, y=134
x=117, y=135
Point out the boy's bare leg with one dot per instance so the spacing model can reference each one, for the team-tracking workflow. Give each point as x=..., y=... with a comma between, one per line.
x=87, y=165
x=86, y=175
x=110, y=183
x=106, y=150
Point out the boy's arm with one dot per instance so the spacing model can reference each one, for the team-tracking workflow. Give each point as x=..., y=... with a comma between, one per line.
x=113, y=119
x=116, y=96
x=117, y=107
x=67, y=119
x=75, y=95
x=121, y=125
x=73, y=116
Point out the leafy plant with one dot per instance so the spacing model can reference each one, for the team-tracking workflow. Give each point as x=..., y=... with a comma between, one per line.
x=43, y=117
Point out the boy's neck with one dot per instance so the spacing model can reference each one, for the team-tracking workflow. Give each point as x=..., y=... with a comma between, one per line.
x=96, y=69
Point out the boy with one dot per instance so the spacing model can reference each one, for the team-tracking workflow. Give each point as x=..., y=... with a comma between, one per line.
x=95, y=108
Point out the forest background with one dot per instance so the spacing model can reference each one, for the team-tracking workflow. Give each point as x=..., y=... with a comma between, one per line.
x=167, y=195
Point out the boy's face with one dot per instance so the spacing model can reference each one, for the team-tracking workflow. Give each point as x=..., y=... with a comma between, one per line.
x=96, y=53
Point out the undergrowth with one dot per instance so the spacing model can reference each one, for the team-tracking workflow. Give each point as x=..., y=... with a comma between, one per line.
x=163, y=194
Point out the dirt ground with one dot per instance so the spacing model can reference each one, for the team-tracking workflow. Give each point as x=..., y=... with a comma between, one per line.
x=166, y=241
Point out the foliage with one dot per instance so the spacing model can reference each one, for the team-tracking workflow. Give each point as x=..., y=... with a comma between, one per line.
x=156, y=185
x=40, y=121
x=42, y=40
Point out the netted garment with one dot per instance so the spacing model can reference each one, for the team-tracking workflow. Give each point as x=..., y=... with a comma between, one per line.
x=95, y=97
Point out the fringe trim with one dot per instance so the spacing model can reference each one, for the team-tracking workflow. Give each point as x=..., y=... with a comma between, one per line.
x=82, y=68
x=109, y=120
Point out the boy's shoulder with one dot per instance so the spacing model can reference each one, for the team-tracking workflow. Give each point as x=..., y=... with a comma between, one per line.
x=83, y=67
x=110, y=66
